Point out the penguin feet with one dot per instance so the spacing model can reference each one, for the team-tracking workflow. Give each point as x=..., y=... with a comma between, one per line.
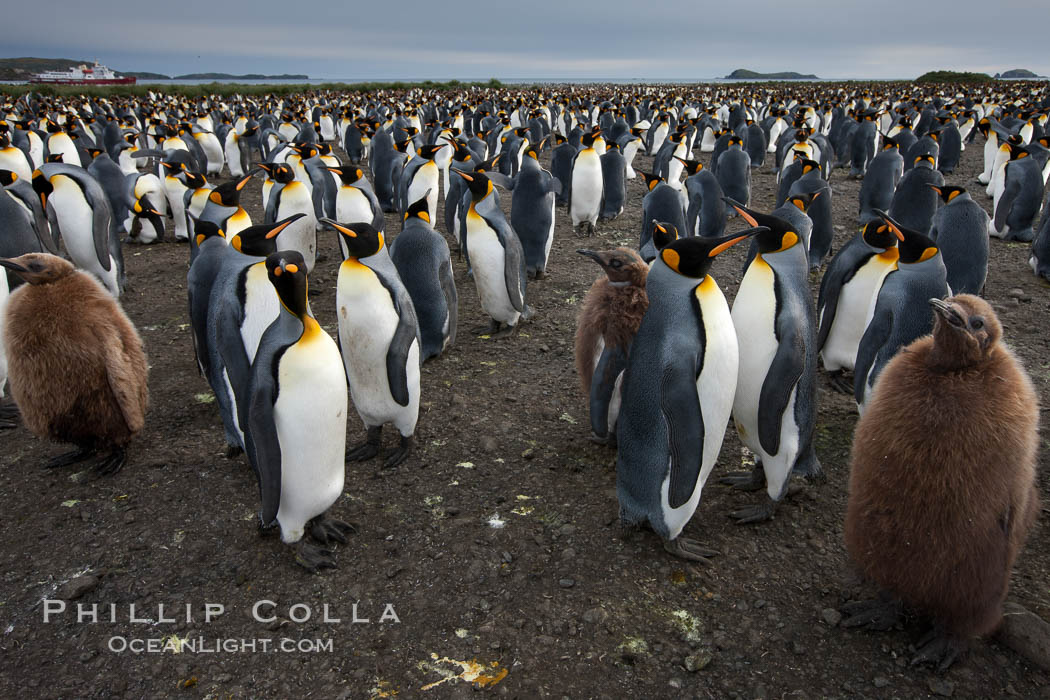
x=234, y=451
x=754, y=514
x=506, y=331
x=491, y=329
x=113, y=463
x=68, y=458
x=690, y=550
x=839, y=383
x=313, y=558
x=369, y=448
x=878, y=615
x=938, y=648
x=327, y=530
x=755, y=480
x=540, y=275
x=400, y=454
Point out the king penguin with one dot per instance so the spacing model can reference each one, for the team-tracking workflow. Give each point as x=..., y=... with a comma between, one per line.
x=424, y=264
x=677, y=393
x=290, y=196
x=960, y=230
x=297, y=420
x=379, y=340
x=914, y=202
x=586, y=187
x=495, y=255
x=880, y=182
x=532, y=211
x=847, y=296
x=775, y=406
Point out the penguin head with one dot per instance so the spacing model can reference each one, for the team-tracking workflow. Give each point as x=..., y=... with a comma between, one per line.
x=948, y=192
x=803, y=200
x=305, y=150
x=735, y=140
x=192, y=180
x=261, y=240
x=144, y=207
x=693, y=256
x=807, y=164
x=588, y=139
x=651, y=179
x=203, y=230
x=54, y=158
x=7, y=177
x=287, y=272
x=926, y=160
x=965, y=332
x=39, y=268
x=42, y=186
x=691, y=167
x=889, y=142
x=477, y=182
x=777, y=235
x=430, y=150
x=278, y=172
x=419, y=209
x=228, y=194
x=402, y=145
x=914, y=247
x=878, y=234
x=622, y=266
x=361, y=239
x=348, y=174
x=663, y=234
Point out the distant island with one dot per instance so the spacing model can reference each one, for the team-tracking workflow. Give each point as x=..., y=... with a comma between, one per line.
x=1017, y=73
x=951, y=76
x=745, y=74
x=26, y=67
x=246, y=76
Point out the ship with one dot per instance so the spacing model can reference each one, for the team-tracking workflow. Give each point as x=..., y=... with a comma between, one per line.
x=83, y=74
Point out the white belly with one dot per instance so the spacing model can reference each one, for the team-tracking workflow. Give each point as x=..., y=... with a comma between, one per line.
x=76, y=224
x=352, y=206
x=753, y=314
x=3, y=313
x=209, y=143
x=261, y=307
x=13, y=159
x=426, y=178
x=300, y=235
x=367, y=322
x=488, y=259
x=310, y=418
x=586, y=189
x=854, y=311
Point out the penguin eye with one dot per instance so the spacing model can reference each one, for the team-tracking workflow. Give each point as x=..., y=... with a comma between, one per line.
x=977, y=323
x=616, y=263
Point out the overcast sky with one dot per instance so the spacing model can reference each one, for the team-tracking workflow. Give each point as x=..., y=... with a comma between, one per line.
x=542, y=39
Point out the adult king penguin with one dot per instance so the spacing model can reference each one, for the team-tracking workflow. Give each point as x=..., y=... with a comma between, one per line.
x=677, y=393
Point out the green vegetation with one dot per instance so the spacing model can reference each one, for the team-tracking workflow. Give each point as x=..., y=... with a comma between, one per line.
x=950, y=76
x=194, y=91
x=745, y=74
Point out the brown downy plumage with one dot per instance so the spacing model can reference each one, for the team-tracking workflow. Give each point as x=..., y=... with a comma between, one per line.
x=612, y=309
x=942, y=486
x=76, y=365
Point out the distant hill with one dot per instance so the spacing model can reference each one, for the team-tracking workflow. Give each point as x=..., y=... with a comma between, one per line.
x=246, y=76
x=745, y=74
x=950, y=76
x=145, y=75
x=1017, y=73
x=26, y=67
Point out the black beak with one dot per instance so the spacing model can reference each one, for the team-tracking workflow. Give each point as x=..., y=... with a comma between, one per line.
x=947, y=312
x=592, y=255
x=12, y=265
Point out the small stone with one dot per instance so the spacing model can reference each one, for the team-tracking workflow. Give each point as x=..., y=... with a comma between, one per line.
x=566, y=583
x=544, y=348
x=881, y=681
x=489, y=444
x=71, y=590
x=595, y=615
x=939, y=686
x=1027, y=634
x=529, y=453
x=1019, y=294
x=697, y=662
x=567, y=530
x=831, y=616
x=675, y=683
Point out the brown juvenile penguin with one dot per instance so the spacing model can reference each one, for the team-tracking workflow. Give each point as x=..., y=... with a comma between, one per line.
x=609, y=318
x=942, y=485
x=75, y=362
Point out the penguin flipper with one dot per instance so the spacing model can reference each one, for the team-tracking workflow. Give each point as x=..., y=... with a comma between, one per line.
x=875, y=336
x=680, y=406
x=273, y=204
x=831, y=285
x=448, y=288
x=405, y=334
x=1006, y=203
x=555, y=186
x=611, y=363
x=263, y=447
x=514, y=260
x=781, y=379
x=101, y=221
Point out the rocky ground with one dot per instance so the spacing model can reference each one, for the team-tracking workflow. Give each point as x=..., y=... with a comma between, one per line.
x=496, y=543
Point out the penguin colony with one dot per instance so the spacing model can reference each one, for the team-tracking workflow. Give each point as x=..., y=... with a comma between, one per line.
x=665, y=360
